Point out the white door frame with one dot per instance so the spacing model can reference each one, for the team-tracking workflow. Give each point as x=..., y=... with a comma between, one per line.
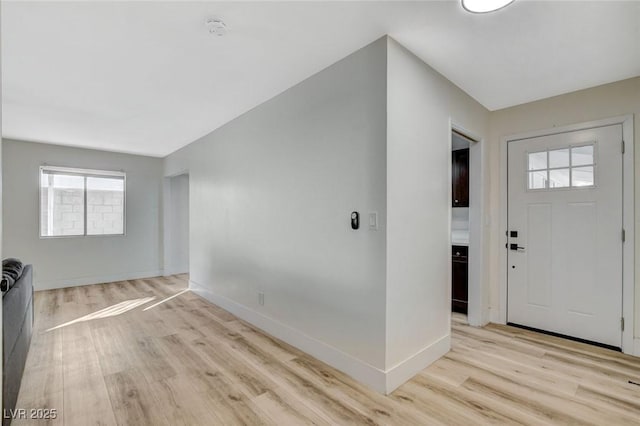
x=478, y=305
x=628, y=218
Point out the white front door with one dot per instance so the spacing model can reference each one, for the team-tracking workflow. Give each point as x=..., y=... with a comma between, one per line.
x=565, y=204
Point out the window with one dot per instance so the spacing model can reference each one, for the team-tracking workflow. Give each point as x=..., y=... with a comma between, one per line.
x=78, y=202
x=571, y=167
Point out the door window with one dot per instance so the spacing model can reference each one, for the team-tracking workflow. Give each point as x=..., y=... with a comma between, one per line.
x=570, y=167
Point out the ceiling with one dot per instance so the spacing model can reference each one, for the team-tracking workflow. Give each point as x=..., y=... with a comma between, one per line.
x=147, y=77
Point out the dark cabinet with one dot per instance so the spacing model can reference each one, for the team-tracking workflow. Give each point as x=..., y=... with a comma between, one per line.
x=459, y=279
x=460, y=178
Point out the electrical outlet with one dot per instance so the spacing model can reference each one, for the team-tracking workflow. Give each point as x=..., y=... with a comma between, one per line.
x=261, y=298
x=373, y=221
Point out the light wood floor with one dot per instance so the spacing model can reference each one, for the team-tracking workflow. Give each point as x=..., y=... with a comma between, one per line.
x=186, y=361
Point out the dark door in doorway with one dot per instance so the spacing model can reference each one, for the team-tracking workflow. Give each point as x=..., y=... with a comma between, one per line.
x=459, y=279
x=460, y=178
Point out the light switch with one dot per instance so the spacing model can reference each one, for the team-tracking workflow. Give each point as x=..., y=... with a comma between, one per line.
x=373, y=221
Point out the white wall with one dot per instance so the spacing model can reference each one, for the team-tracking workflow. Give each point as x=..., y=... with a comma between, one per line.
x=422, y=105
x=460, y=218
x=270, y=197
x=176, y=224
x=610, y=100
x=1, y=315
x=64, y=262
x=271, y=194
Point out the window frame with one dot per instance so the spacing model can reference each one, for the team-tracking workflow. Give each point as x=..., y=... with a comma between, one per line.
x=85, y=173
x=570, y=166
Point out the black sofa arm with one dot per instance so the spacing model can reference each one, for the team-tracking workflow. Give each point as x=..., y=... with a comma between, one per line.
x=17, y=317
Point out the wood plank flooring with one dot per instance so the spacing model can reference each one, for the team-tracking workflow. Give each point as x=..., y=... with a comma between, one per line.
x=188, y=362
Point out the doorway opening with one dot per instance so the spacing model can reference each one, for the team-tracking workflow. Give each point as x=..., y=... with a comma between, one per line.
x=176, y=225
x=464, y=197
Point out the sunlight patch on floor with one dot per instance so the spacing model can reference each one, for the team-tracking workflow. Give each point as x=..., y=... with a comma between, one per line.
x=110, y=311
x=166, y=300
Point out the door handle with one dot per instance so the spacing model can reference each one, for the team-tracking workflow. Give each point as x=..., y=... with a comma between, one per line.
x=515, y=247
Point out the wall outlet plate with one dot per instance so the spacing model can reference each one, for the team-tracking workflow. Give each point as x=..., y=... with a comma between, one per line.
x=373, y=221
x=261, y=298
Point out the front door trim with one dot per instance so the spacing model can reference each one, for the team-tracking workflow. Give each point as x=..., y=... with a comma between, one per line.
x=628, y=219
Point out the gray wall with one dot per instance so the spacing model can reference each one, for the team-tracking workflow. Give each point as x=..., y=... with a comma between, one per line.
x=271, y=195
x=1, y=254
x=422, y=106
x=64, y=262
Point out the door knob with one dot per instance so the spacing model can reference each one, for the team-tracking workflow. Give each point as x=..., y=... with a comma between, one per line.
x=515, y=247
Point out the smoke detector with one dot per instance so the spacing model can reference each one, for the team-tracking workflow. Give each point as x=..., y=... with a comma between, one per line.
x=216, y=26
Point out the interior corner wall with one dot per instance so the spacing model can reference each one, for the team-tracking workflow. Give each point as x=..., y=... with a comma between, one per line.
x=609, y=100
x=271, y=195
x=71, y=261
x=422, y=105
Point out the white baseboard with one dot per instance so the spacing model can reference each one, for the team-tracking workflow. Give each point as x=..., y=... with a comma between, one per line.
x=408, y=368
x=75, y=282
x=636, y=346
x=361, y=371
x=168, y=272
x=380, y=380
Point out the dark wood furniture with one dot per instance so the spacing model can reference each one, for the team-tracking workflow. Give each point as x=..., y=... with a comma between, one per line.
x=460, y=178
x=459, y=279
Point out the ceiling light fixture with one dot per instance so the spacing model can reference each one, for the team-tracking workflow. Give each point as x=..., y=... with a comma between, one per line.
x=484, y=6
x=216, y=26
